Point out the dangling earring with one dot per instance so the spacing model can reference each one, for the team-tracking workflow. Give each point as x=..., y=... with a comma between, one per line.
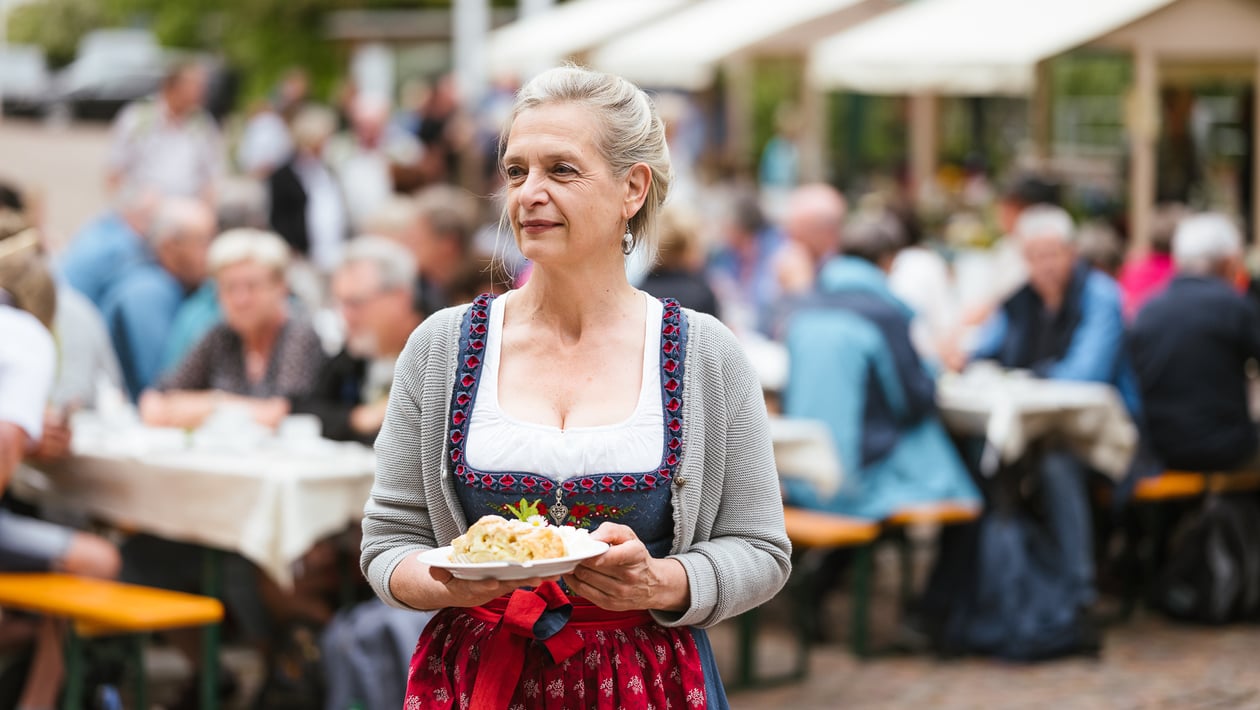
x=627, y=241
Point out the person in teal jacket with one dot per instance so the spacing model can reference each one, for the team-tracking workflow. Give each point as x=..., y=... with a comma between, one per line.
x=853, y=367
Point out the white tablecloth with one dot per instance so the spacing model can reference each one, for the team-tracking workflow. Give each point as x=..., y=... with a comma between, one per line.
x=803, y=449
x=1011, y=411
x=270, y=503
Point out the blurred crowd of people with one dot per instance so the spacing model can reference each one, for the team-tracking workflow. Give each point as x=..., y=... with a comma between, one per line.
x=288, y=278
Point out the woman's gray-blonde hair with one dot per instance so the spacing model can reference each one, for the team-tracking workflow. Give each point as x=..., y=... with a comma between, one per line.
x=632, y=131
x=248, y=244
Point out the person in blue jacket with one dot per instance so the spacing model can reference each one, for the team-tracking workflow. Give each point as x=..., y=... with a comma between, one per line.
x=852, y=366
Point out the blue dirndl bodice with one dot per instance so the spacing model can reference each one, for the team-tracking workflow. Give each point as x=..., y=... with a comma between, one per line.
x=641, y=500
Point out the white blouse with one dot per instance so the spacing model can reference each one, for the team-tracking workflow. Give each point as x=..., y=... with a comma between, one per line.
x=498, y=441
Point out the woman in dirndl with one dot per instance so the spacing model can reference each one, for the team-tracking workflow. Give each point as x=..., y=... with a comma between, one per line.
x=607, y=408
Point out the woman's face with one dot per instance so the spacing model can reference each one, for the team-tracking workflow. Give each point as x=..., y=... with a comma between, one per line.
x=252, y=296
x=563, y=200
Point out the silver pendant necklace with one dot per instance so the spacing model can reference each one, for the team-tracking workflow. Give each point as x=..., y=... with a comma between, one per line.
x=558, y=511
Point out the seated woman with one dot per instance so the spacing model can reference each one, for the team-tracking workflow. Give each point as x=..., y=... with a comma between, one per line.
x=260, y=357
x=853, y=367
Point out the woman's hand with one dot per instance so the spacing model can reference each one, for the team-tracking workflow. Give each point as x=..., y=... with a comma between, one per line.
x=420, y=586
x=627, y=578
x=475, y=592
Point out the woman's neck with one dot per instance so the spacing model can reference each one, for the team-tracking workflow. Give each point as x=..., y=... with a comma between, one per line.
x=572, y=303
x=262, y=339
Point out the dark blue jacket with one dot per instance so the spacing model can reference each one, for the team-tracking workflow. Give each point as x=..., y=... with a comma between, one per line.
x=1190, y=347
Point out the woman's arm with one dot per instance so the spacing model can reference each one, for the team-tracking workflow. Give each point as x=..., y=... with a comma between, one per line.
x=13, y=445
x=188, y=410
x=397, y=523
x=742, y=556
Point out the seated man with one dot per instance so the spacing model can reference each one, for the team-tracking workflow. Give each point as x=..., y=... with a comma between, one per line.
x=140, y=309
x=242, y=203
x=101, y=254
x=853, y=366
x=27, y=362
x=1190, y=346
x=447, y=222
x=1065, y=324
x=373, y=290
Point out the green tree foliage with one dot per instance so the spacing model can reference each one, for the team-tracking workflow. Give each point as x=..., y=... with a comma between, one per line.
x=259, y=38
x=55, y=25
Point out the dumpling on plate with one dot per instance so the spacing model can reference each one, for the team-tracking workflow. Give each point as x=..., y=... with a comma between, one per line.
x=496, y=539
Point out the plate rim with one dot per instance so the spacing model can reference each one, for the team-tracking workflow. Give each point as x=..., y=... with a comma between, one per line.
x=505, y=564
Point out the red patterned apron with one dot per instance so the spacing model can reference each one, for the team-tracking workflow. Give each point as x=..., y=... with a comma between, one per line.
x=492, y=658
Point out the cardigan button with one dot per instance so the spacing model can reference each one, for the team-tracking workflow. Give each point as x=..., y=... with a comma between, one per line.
x=680, y=481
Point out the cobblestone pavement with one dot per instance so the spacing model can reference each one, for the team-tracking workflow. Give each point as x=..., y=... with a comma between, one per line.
x=1148, y=663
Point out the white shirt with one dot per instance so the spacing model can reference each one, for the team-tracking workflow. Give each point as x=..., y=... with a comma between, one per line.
x=179, y=158
x=27, y=361
x=920, y=278
x=265, y=143
x=87, y=355
x=499, y=442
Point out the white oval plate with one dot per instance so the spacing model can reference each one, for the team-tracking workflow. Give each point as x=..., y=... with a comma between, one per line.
x=441, y=557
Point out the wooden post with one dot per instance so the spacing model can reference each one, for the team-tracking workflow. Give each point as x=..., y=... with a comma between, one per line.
x=1041, y=117
x=922, y=144
x=738, y=108
x=1255, y=155
x=1143, y=133
x=813, y=140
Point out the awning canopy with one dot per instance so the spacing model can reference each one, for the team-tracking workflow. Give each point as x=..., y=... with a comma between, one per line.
x=568, y=29
x=683, y=49
x=965, y=47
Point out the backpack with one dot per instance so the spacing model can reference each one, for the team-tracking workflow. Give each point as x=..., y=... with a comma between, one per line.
x=998, y=588
x=1212, y=574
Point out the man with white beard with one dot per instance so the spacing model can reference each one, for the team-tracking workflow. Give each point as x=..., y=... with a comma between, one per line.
x=373, y=289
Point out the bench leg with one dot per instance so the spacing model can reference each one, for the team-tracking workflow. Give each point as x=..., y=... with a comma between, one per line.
x=746, y=675
x=212, y=563
x=862, y=574
x=72, y=694
x=141, y=699
x=804, y=619
x=748, y=628
x=905, y=551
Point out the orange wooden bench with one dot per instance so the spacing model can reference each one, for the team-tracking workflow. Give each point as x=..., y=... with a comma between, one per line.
x=943, y=513
x=808, y=530
x=104, y=608
x=1176, y=485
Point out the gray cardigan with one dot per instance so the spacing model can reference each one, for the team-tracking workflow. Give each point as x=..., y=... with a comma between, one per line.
x=728, y=516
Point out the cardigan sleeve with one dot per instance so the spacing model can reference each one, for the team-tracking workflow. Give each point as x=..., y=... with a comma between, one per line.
x=742, y=557
x=397, y=520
